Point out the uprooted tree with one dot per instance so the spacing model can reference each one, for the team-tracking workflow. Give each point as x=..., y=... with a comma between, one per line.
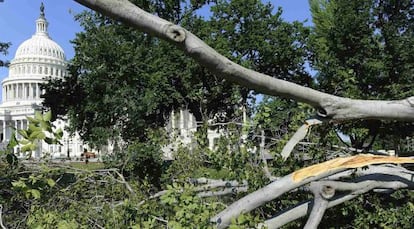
x=332, y=182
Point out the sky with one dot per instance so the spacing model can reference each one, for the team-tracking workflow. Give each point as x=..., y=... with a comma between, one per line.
x=17, y=21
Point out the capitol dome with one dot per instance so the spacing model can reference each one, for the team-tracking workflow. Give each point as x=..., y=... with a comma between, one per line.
x=36, y=59
x=40, y=46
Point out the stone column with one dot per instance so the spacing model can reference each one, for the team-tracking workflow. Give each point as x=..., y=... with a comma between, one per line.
x=17, y=91
x=31, y=90
x=4, y=130
x=181, y=120
x=37, y=91
x=24, y=91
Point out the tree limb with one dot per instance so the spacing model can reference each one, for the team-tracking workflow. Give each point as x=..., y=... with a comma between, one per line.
x=264, y=160
x=383, y=177
x=125, y=183
x=1, y=217
x=299, y=135
x=329, y=106
x=320, y=204
x=297, y=179
x=223, y=192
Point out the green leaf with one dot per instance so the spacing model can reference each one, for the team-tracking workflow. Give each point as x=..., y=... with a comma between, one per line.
x=411, y=206
x=19, y=184
x=59, y=133
x=35, y=135
x=51, y=182
x=33, y=127
x=28, y=147
x=38, y=116
x=35, y=193
x=23, y=133
x=46, y=126
x=24, y=142
x=49, y=140
x=13, y=141
x=32, y=120
x=48, y=116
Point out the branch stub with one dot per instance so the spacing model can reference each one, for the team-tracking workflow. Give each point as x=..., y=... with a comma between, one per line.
x=175, y=33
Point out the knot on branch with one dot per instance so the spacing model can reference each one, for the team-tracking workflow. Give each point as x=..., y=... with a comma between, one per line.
x=175, y=33
x=327, y=192
x=410, y=100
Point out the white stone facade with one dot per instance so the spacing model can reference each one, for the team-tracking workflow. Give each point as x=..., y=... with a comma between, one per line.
x=36, y=59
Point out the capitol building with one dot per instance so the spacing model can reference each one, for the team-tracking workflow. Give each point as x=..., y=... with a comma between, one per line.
x=35, y=60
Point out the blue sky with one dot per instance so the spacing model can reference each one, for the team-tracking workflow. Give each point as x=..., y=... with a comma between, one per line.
x=17, y=21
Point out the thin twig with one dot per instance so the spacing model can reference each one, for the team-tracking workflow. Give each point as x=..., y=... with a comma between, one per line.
x=1, y=217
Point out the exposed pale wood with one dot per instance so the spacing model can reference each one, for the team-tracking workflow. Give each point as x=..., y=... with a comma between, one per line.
x=356, y=161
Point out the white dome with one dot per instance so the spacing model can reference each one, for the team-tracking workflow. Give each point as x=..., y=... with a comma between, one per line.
x=40, y=46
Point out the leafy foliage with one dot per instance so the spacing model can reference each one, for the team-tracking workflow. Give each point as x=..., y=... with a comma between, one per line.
x=3, y=50
x=129, y=92
x=358, y=53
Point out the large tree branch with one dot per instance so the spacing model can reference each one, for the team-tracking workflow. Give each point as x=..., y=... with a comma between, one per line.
x=322, y=194
x=297, y=179
x=329, y=106
x=381, y=177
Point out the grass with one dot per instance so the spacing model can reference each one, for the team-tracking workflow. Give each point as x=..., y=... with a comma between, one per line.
x=89, y=166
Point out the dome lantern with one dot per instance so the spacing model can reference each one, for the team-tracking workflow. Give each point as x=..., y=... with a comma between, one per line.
x=41, y=23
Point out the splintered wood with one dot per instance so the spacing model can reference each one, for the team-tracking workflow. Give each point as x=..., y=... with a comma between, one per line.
x=356, y=161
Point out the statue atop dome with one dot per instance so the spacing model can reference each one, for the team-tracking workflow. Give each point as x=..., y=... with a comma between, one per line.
x=41, y=23
x=42, y=10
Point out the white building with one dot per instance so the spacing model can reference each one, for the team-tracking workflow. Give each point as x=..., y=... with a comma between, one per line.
x=35, y=59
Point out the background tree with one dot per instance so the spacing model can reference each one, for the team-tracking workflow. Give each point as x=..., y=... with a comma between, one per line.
x=233, y=168
x=358, y=53
x=139, y=84
x=3, y=50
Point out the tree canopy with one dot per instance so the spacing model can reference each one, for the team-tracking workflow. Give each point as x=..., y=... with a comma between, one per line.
x=142, y=78
x=3, y=50
x=358, y=53
x=288, y=162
